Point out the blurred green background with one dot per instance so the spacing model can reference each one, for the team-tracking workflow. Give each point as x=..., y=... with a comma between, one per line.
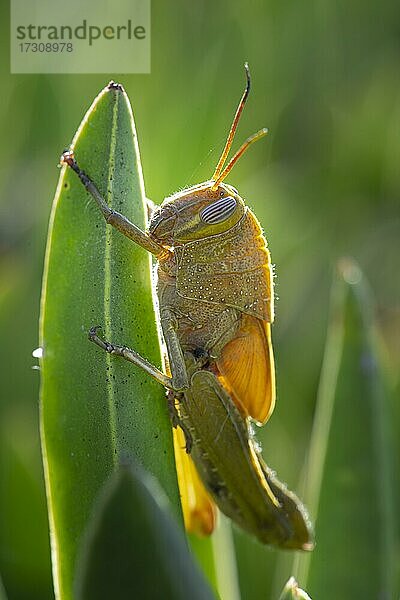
x=325, y=184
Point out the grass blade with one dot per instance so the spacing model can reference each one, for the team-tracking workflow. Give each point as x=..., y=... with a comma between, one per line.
x=350, y=479
x=291, y=591
x=3, y=595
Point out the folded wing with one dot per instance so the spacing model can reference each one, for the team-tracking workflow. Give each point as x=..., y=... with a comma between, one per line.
x=246, y=369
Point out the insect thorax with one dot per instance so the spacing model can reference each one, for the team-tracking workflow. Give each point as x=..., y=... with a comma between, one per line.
x=232, y=268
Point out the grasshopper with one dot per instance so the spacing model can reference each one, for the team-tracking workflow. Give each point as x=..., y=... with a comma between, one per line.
x=216, y=306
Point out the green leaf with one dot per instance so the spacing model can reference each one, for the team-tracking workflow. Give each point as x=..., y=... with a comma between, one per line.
x=3, y=595
x=134, y=549
x=350, y=479
x=96, y=408
x=24, y=546
x=291, y=591
x=217, y=559
x=203, y=550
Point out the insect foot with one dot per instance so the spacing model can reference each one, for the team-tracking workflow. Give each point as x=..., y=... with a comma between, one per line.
x=94, y=337
x=67, y=158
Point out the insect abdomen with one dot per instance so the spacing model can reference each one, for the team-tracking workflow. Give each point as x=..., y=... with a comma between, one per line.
x=229, y=466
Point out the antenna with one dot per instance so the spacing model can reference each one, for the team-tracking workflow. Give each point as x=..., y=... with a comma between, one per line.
x=220, y=172
x=250, y=140
x=234, y=125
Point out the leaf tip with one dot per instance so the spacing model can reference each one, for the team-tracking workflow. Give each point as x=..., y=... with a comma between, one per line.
x=293, y=591
x=113, y=85
x=349, y=270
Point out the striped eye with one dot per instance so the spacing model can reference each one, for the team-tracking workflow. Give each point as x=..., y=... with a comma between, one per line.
x=218, y=211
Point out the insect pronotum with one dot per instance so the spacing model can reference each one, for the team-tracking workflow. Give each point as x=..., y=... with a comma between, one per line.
x=216, y=304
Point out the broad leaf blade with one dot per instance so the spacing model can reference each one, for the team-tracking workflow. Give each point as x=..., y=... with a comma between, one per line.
x=96, y=408
x=134, y=549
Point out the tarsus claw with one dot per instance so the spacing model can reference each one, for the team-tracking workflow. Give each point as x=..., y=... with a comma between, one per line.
x=93, y=331
x=67, y=158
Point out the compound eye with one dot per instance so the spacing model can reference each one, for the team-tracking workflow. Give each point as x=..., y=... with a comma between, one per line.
x=218, y=211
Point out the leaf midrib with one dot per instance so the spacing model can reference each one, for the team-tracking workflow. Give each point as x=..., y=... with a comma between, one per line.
x=108, y=238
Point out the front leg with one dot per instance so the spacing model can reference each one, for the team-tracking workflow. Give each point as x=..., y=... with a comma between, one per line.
x=113, y=217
